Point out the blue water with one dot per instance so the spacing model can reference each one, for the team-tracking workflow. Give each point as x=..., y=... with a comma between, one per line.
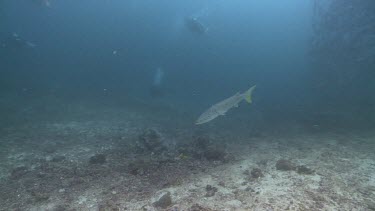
x=98, y=98
x=246, y=43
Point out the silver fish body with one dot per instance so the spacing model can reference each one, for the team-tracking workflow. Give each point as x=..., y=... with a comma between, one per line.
x=222, y=107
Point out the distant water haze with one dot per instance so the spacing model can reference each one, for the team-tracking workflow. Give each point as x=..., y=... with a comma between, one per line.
x=248, y=42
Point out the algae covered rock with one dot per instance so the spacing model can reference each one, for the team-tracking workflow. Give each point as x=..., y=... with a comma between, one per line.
x=18, y=172
x=285, y=165
x=256, y=173
x=98, y=159
x=163, y=200
x=150, y=141
x=304, y=170
x=197, y=207
x=215, y=154
x=210, y=191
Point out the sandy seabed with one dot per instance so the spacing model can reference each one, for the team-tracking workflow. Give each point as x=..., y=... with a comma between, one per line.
x=125, y=158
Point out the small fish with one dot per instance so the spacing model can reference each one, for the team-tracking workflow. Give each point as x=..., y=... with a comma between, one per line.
x=30, y=44
x=46, y=3
x=222, y=107
x=158, y=77
x=194, y=25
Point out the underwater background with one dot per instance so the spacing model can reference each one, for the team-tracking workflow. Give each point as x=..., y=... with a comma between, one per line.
x=99, y=99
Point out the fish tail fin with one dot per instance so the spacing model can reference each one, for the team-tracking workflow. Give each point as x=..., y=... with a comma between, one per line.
x=248, y=93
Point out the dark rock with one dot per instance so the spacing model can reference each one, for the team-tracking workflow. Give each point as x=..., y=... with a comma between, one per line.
x=246, y=172
x=50, y=149
x=58, y=158
x=304, y=170
x=39, y=197
x=75, y=181
x=201, y=141
x=41, y=174
x=370, y=204
x=250, y=189
x=222, y=183
x=210, y=190
x=229, y=157
x=60, y=208
x=135, y=170
x=197, y=207
x=262, y=162
x=201, y=147
x=164, y=200
x=215, y=154
x=98, y=159
x=18, y=172
x=109, y=205
x=256, y=173
x=150, y=140
x=141, y=166
x=285, y=165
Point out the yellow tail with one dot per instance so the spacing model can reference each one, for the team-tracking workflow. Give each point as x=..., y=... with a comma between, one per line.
x=248, y=94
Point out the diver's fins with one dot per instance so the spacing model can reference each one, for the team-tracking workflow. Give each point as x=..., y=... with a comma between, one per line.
x=248, y=94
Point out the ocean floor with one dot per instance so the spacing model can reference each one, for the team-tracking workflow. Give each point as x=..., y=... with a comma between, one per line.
x=76, y=156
